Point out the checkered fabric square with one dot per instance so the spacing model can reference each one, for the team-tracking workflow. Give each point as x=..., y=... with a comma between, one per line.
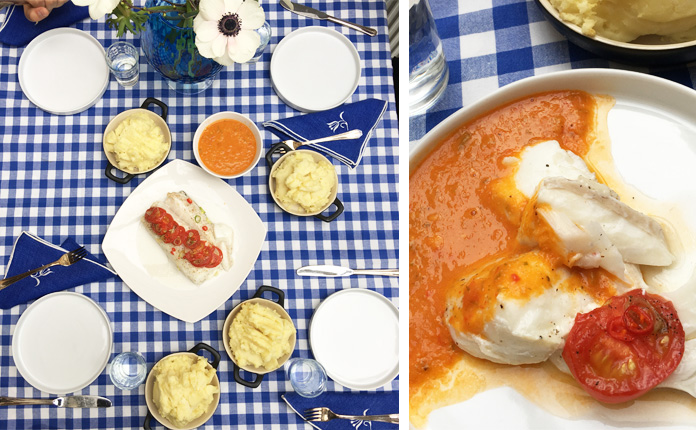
x=491, y=43
x=52, y=183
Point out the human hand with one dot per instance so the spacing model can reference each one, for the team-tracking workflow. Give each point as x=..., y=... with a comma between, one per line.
x=36, y=10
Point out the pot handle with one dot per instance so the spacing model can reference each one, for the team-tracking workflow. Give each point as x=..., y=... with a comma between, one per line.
x=146, y=423
x=333, y=216
x=153, y=101
x=109, y=174
x=210, y=349
x=251, y=384
x=280, y=148
x=281, y=295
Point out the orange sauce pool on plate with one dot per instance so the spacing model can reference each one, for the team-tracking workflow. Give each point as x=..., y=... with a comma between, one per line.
x=227, y=147
x=453, y=226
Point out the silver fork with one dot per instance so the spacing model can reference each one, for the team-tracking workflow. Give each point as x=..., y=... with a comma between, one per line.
x=326, y=414
x=66, y=259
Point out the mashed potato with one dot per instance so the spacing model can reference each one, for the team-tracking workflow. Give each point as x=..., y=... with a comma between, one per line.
x=259, y=336
x=301, y=180
x=137, y=142
x=626, y=20
x=183, y=389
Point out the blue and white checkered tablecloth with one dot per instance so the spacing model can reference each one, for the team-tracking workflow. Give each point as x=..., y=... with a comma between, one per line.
x=491, y=43
x=52, y=183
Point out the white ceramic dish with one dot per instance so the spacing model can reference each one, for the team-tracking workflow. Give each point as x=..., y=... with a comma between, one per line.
x=62, y=343
x=653, y=138
x=354, y=334
x=226, y=333
x=237, y=117
x=144, y=267
x=152, y=407
x=646, y=50
x=159, y=120
x=63, y=71
x=292, y=207
x=315, y=69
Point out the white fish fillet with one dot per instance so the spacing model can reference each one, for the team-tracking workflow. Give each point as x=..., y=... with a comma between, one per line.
x=593, y=227
x=192, y=217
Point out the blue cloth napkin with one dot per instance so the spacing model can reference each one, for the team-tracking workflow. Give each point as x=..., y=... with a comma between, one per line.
x=17, y=30
x=348, y=403
x=363, y=115
x=30, y=252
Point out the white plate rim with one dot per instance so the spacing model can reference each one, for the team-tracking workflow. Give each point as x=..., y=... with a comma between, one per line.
x=328, y=32
x=598, y=81
x=179, y=304
x=393, y=310
x=56, y=32
x=17, y=334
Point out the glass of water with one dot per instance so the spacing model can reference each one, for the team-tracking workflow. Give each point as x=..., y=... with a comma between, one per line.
x=428, y=73
x=307, y=377
x=122, y=59
x=128, y=370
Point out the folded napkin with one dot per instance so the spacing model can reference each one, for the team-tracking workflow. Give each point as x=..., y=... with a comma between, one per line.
x=17, y=30
x=363, y=115
x=30, y=252
x=348, y=403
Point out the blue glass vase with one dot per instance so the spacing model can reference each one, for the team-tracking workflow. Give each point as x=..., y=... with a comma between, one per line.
x=171, y=51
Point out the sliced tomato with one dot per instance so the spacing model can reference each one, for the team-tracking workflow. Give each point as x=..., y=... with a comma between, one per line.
x=201, y=256
x=173, y=235
x=179, y=236
x=167, y=220
x=216, y=259
x=154, y=214
x=193, y=238
x=621, y=350
x=160, y=228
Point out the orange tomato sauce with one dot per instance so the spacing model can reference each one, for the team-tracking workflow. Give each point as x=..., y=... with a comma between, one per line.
x=227, y=147
x=452, y=222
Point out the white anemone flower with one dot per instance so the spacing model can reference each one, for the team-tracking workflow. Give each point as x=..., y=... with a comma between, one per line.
x=98, y=8
x=225, y=30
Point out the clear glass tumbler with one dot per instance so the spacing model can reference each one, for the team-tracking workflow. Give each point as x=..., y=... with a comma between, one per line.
x=128, y=370
x=122, y=59
x=307, y=377
x=427, y=67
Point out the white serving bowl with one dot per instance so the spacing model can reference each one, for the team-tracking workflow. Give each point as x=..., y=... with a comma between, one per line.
x=228, y=115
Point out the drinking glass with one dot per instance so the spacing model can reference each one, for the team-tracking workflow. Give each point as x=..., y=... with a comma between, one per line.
x=428, y=72
x=128, y=370
x=122, y=59
x=307, y=377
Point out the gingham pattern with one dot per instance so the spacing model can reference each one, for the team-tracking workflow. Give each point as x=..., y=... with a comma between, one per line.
x=491, y=43
x=52, y=183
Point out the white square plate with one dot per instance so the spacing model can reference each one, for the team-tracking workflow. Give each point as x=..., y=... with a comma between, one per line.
x=144, y=267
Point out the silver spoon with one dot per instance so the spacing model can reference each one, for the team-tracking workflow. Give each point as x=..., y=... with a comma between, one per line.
x=353, y=134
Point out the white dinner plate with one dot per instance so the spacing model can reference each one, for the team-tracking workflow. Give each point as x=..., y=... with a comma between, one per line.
x=62, y=342
x=63, y=71
x=144, y=267
x=354, y=334
x=653, y=140
x=315, y=69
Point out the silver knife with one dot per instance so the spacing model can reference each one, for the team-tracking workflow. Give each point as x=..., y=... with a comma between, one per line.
x=62, y=402
x=313, y=13
x=333, y=271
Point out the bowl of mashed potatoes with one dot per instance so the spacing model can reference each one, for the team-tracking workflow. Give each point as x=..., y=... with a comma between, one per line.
x=646, y=32
x=303, y=182
x=259, y=336
x=182, y=391
x=137, y=141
